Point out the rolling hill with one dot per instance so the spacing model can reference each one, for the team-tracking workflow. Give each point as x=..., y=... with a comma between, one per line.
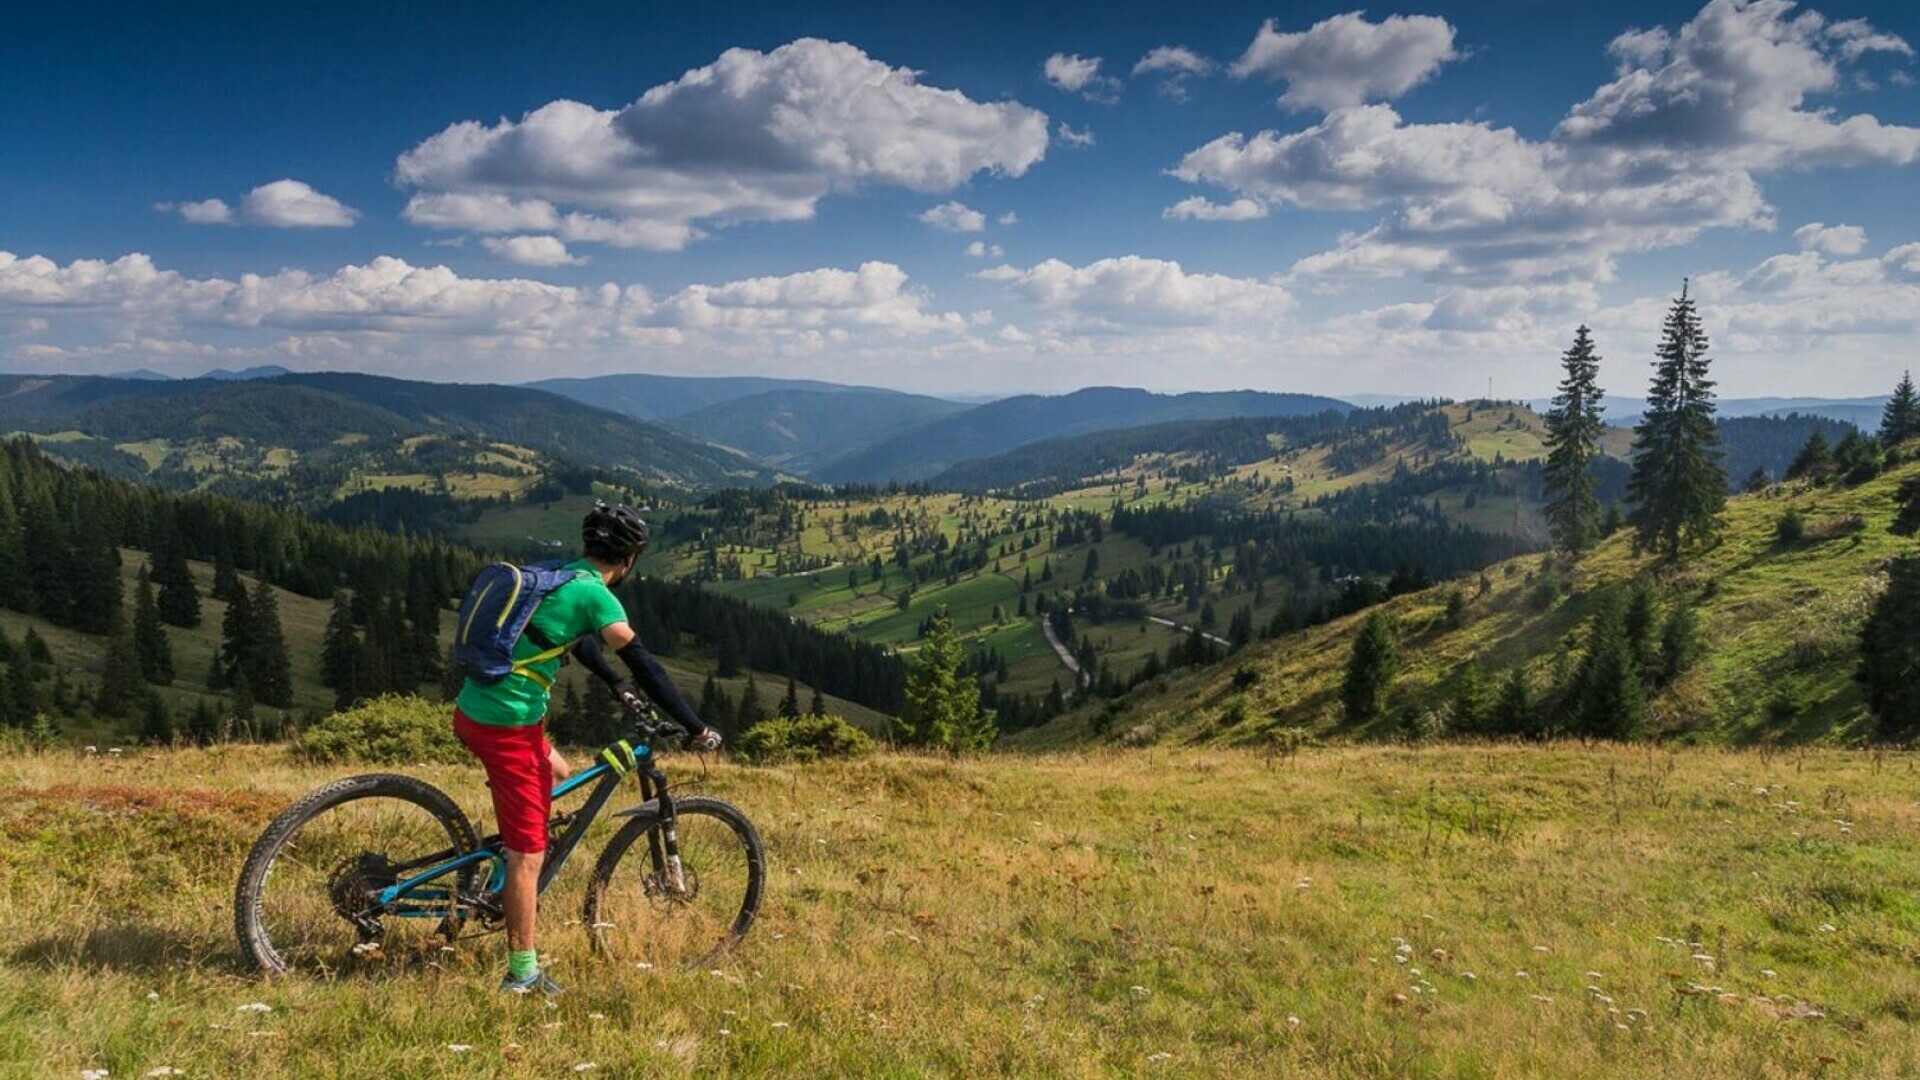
x=798, y=430
x=311, y=414
x=1779, y=623
x=1000, y=426
x=663, y=397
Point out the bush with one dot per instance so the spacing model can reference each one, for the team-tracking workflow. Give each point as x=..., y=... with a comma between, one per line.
x=394, y=729
x=1790, y=529
x=1245, y=677
x=803, y=739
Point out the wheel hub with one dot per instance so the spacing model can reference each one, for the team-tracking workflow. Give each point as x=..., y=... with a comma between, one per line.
x=354, y=886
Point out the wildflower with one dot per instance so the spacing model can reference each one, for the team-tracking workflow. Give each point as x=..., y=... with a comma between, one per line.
x=586, y=1066
x=153, y=995
x=1767, y=973
x=1469, y=976
x=778, y=1024
x=1159, y=1056
x=1139, y=991
x=459, y=1048
x=164, y=1070
x=1829, y=928
x=94, y=1074
x=596, y=1016
x=726, y=1031
x=255, y=1007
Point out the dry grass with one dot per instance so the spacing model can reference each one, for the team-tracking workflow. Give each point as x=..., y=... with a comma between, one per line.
x=1340, y=913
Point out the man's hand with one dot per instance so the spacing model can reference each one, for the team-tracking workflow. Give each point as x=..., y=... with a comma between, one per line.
x=704, y=740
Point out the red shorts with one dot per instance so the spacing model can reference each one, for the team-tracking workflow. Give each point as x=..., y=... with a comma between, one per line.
x=520, y=775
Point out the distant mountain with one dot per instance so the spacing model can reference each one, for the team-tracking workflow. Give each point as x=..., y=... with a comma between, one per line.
x=147, y=374
x=663, y=397
x=1862, y=411
x=309, y=412
x=1000, y=426
x=264, y=371
x=799, y=430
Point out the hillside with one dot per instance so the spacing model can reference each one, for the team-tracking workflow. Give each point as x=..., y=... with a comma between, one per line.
x=1779, y=624
x=1343, y=914
x=132, y=426
x=663, y=397
x=1004, y=425
x=799, y=430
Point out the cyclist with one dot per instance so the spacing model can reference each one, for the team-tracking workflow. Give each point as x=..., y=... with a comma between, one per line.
x=503, y=723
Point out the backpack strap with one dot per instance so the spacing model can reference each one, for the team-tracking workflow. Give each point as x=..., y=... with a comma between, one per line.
x=548, y=650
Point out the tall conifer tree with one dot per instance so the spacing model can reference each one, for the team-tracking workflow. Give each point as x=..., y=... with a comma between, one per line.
x=1677, y=486
x=149, y=636
x=1574, y=429
x=1901, y=420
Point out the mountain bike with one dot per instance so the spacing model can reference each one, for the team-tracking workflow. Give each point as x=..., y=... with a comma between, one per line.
x=370, y=866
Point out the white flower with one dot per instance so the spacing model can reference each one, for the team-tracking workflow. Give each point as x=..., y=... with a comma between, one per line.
x=459, y=1048
x=777, y=1024
x=1139, y=991
x=1293, y=1021
x=1159, y=1055
x=586, y=1066
x=94, y=1074
x=255, y=1007
x=1829, y=928
x=165, y=1070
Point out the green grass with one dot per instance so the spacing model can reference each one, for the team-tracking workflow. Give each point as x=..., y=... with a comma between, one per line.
x=1565, y=912
x=1773, y=621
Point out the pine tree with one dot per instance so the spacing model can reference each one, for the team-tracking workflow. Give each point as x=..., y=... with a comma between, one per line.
x=203, y=725
x=179, y=601
x=1468, y=711
x=236, y=641
x=156, y=722
x=93, y=572
x=1370, y=670
x=1814, y=462
x=226, y=580
x=1901, y=420
x=270, y=672
x=16, y=589
x=818, y=706
x=1513, y=712
x=1890, y=653
x=340, y=646
x=240, y=703
x=1608, y=701
x=121, y=686
x=1677, y=486
x=751, y=711
x=790, y=702
x=1574, y=429
x=149, y=636
x=942, y=704
x=8, y=716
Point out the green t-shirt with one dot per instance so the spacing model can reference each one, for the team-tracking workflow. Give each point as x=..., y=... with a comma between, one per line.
x=580, y=607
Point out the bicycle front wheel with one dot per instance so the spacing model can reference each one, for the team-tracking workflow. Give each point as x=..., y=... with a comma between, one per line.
x=642, y=908
x=308, y=896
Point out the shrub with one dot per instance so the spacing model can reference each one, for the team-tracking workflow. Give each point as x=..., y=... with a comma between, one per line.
x=1245, y=677
x=394, y=729
x=1790, y=529
x=1234, y=714
x=802, y=739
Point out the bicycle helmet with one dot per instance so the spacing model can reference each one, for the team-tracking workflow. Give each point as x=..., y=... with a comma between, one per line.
x=613, y=531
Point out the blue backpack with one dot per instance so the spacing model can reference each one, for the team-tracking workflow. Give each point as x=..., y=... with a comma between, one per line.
x=495, y=614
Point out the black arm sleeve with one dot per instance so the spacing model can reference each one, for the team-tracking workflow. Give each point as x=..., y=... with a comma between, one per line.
x=654, y=681
x=587, y=651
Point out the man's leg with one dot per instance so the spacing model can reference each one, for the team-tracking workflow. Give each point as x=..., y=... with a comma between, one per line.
x=521, y=779
x=521, y=899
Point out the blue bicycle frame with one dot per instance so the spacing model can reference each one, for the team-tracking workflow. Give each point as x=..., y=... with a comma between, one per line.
x=414, y=898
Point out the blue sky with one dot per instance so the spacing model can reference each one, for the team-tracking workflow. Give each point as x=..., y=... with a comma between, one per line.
x=1410, y=200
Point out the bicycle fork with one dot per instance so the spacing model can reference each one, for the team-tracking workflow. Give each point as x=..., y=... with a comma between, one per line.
x=664, y=842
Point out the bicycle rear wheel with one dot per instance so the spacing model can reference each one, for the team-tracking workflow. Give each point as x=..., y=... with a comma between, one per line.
x=306, y=896
x=638, y=910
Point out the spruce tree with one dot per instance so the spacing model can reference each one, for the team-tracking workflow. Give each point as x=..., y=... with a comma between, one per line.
x=1468, y=712
x=8, y=716
x=818, y=706
x=1814, y=461
x=790, y=702
x=1574, y=429
x=271, y=674
x=751, y=711
x=1607, y=700
x=340, y=646
x=942, y=704
x=149, y=636
x=1901, y=419
x=121, y=686
x=156, y=722
x=93, y=572
x=1370, y=670
x=1677, y=486
x=1890, y=653
x=179, y=600
x=1513, y=712
x=236, y=641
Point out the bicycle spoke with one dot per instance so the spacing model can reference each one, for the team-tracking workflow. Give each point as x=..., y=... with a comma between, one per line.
x=643, y=912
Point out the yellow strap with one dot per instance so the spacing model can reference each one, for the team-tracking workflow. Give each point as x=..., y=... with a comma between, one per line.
x=619, y=757
x=524, y=667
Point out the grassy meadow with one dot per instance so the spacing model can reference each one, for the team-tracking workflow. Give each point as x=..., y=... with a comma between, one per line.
x=1463, y=911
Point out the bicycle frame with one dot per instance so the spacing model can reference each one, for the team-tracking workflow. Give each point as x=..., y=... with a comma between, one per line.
x=414, y=897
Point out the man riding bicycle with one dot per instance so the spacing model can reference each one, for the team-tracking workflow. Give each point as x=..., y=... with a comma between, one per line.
x=503, y=722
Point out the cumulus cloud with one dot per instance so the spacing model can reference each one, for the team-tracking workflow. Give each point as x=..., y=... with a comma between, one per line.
x=1831, y=239
x=413, y=312
x=1199, y=208
x=954, y=216
x=1671, y=147
x=1136, y=290
x=531, y=250
x=980, y=249
x=1177, y=66
x=1077, y=140
x=282, y=204
x=754, y=136
x=1008, y=218
x=1346, y=60
x=1081, y=75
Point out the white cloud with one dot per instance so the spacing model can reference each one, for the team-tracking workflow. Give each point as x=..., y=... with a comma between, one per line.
x=754, y=136
x=954, y=216
x=531, y=250
x=1177, y=66
x=1671, y=147
x=1081, y=75
x=1078, y=140
x=291, y=204
x=204, y=212
x=1831, y=239
x=392, y=311
x=282, y=204
x=1199, y=208
x=1346, y=60
x=1136, y=290
x=981, y=250
x=1008, y=218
